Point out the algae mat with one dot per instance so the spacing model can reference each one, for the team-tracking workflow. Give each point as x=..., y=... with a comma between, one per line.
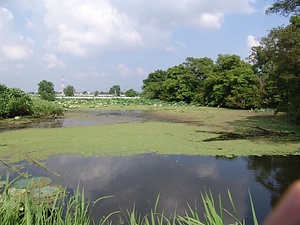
x=129, y=139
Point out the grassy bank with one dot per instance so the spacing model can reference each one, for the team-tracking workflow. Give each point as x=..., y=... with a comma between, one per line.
x=171, y=129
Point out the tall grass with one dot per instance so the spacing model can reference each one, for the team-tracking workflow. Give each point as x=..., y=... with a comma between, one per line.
x=76, y=210
x=64, y=209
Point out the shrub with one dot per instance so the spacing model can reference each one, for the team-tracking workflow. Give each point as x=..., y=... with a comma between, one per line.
x=14, y=102
x=44, y=108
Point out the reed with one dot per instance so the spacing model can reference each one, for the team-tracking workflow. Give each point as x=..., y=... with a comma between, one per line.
x=64, y=209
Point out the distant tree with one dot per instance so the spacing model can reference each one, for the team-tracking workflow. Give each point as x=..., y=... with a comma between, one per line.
x=131, y=93
x=285, y=7
x=96, y=93
x=69, y=90
x=115, y=90
x=46, y=90
x=84, y=92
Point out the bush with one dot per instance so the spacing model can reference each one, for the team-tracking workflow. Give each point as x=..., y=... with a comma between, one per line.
x=45, y=109
x=14, y=102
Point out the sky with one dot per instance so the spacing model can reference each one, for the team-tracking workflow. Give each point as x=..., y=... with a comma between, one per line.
x=95, y=44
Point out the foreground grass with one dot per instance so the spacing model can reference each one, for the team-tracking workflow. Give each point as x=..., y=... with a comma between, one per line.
x=22, y=208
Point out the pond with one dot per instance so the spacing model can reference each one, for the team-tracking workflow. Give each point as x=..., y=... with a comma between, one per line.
x=178, y=179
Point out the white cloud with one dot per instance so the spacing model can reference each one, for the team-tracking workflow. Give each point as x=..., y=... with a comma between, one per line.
x=52, y=61
x=15, y=52
x=78, y=26
x=252, y=42
x=5, y=16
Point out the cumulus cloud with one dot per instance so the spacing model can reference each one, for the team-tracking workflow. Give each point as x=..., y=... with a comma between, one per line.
x=79, y=26
x=252, y=42
x=52, y=61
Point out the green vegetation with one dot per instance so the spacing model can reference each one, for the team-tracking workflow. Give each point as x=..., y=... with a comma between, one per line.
x=270, y=80
x=276, y=62
x=44, y=109
x=69, y=90
x=31, y=201
x=171, y=129
x=46, y=90
x=14, y=102
x=131, y=93
x=115, y=90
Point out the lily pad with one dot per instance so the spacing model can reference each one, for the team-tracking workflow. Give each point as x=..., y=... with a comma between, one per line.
x=31, y=182
x=47, y=191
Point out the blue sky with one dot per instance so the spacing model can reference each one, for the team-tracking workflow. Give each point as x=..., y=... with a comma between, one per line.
x=95, y=44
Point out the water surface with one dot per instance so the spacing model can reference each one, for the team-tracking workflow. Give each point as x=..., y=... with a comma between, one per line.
x=178, y=179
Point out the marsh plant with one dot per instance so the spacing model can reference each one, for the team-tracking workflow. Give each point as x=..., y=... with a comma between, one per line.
x=22, y=207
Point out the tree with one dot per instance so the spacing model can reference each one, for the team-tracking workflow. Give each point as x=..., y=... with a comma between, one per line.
x=96, y=93
x=115, y=90
x=69, y=90
x=285, y=7
x=46, y=90
x=233, y=84
x=181, y=84
x=131, y=93
x=279, y=59
x=152, y=85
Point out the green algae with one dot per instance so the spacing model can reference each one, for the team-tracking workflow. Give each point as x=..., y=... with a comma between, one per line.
x=172, y=130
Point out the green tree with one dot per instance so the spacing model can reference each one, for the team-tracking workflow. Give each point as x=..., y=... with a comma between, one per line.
x=279, y=58
x=131, y=93
x=115, y=90
x=46, y=90
x=285, y=7
x=202, y=69
x=181, y=84
x=96, y=93
x=69, y=91
x=152, y=85
x=233, y=84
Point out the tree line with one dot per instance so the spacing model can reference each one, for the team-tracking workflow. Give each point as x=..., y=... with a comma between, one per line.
x=269, y=78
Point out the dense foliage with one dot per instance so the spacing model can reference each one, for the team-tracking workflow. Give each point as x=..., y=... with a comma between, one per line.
x=131, y=93
x=46, y=90
x=229, y=82
x=276, y=61
x=272, y=80
x=69, y=90
x=115, y=90
x=14, y=102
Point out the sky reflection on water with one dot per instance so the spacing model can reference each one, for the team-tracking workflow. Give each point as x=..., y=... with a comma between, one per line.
x=178, y=179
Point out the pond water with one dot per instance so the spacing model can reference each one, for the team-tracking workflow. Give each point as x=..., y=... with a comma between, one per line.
x=178, y=179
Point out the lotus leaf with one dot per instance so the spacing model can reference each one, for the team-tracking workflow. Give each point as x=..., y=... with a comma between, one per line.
x=31, y=182
x=47, y=191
